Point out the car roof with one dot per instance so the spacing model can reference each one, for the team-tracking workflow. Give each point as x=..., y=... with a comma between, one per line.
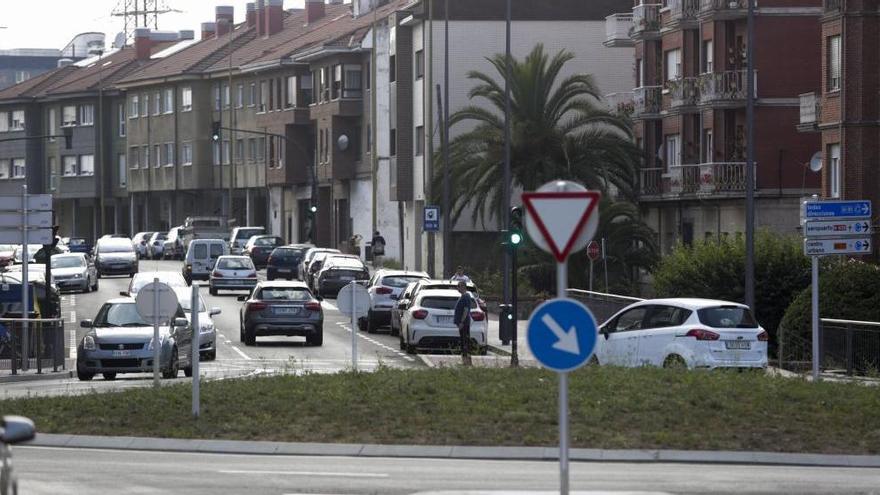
x=450, y=283
x=248, y=227
x=121, y=300
x=692, y=303
x=292, y=284
x=233, y=256
x=401, y=273
x=158, y=274
x=344, y=262
x=114, y=241
x=69, y=255
x=296, y=246
x=206, y=241
x=439, y=293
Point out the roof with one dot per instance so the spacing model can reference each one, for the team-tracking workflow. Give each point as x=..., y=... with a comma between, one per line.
x=691, y=303
x=401, y=273
x=344, y=263
x=438, y=293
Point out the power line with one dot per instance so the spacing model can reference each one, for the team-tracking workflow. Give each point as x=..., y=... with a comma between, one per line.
x=140, y=14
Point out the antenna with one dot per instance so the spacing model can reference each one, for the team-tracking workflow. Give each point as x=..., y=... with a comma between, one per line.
x=140, y=14
x=816, y=162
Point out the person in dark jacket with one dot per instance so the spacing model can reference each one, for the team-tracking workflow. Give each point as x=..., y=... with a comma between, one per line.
x=462, y=319
x=378, y=244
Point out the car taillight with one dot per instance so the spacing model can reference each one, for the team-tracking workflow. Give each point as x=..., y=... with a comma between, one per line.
x=478, y=315
x=764, y=336
x=420, y=314
x=384, y=290
x=256, y=306
x=702, y=334
x=216, y=274
x=269, y=260
x=252, y=275
x=313, y=306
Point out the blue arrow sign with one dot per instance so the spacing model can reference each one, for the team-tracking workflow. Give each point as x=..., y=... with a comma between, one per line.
x=562, y=334
x=837, y=209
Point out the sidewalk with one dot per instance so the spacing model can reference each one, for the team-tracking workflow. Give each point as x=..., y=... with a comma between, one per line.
x=31, y=374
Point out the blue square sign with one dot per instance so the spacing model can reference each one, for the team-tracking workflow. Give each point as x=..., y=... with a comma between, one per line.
x=431, y=219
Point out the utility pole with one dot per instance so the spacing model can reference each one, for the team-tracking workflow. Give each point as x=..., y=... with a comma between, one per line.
x=505, y=210
x=447, y=187
x=750, y=159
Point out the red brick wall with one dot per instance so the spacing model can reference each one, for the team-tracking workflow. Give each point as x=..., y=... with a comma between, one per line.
x=781, y=152
x=786, y=56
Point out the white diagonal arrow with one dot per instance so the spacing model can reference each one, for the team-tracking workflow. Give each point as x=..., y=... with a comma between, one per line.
x=568, y=341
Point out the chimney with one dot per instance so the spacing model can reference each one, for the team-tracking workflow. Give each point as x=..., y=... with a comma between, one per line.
x=314, y=10
x=143, y=43
x=208, y=30
x=186, y=34
x=224, y=17
x=261, y=13
x=274, y=17
x=251, y=14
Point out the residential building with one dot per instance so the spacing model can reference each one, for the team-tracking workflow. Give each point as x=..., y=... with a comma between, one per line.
x=20, y=64
x=689, y=105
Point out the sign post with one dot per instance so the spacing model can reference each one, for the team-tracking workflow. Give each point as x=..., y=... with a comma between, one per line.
x=25, y=260
x=833, y=227
x=593, y=252
x=354, y=301
x=562, y=218
x=156, y=303
x=194, y=308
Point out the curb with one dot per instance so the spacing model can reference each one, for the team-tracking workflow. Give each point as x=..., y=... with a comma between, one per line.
x=33, y=377
x=449, y=452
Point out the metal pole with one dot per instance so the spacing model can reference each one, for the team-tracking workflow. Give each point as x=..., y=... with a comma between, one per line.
x=196, y=344
x=514, y=344
x=591, y=275
x=25, y=260
x=605, y=262
x=447, y=186
x=156, y=343
x=561, y=286
x=815, y=261
x=750, y=159
x=354, y=339
x=506, y=185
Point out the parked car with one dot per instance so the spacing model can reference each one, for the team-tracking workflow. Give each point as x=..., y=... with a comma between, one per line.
x=233, y=273
x=120, y=341
x=140, y=243
x=337, y=272
x=78, y=245
x=216, y=227
x=115, y=256
x=172, y=246
x=427, y=324
x=201, y=257
x=691, y=333
x=284, y=261
x=172, y=279
x=281, y=309
x=307, y=260
x=13, y=430
x=259, y=247
x=156, y=245
x=240, y=236
x=411, y=291
x=7, y=254
x=31, y=249
x=318, y=263
x=114, y=236
x=207, y=330
x=74, y=271
x=385, y=288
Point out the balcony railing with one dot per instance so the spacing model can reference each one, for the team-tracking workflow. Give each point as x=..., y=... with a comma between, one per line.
x=721, y=7
x=810, y=109
x=725, y=86
x=708, y=178
x=652, y=181
x=684, y=91
x=617, y=29
x=647, y=99
x=683, y=10
x=621, y=103
x=646, y=18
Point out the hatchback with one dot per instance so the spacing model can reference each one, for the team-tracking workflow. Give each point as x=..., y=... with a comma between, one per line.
x=74, y=271
x=232, y=273
x=156, y=245
x=285, y=260
x=259, y=247
x=139, y=241
x=78, y=245
x=339, y=272
x=240, y=236
x=172, y=279
x=691, y=333
x=385, y=288
x=428, y=323
x=282, y=309
x=307, y=261
x=115, y=256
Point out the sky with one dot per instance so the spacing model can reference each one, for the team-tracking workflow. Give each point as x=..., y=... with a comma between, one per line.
x=53, y=23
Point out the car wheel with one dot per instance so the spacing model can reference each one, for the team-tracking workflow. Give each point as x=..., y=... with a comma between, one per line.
x=213, y=291
x=394, y=331
x=211, y=355
x=371, y=325
x=173, y=367
x=410, y=349
x=594, y=361
x=316, y=340
x=250, y=339
x=131, y=275
x=674, y=361
x=109, y=376
x=402, y=343
x=95, y=288
x=188, y=371
x=99, y=274
x=83, y=376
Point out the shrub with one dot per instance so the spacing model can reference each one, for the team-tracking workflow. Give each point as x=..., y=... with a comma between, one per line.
x=716, y=270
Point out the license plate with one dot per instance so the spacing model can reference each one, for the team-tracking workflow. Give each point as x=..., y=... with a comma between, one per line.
x=737, y=344
x=283, y=270
x=118, y=266
x=444, y=319
x=121, y=353
x=286, y=311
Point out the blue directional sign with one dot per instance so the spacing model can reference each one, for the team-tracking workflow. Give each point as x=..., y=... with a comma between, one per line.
x=432, y=219
x=837, y=209
x=562, y=334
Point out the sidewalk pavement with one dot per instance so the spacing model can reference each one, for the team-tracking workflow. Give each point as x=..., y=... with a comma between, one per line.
x=449, y=451
x=31, y=374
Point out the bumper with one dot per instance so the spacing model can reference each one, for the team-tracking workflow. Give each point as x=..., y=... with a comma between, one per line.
x=72, y=284
x=380, y=316
x=117, y=269
x=332, y=286
x=444, y=338
x=207, y=342
x=263, y=328
x=105, y=362
x=233, y=284
x=290, y=273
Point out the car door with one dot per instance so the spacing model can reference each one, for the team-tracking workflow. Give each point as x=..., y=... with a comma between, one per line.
x=662, y=322
x=621, y=343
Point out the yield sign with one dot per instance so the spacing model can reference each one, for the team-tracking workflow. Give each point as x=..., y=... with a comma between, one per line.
x=560, y=218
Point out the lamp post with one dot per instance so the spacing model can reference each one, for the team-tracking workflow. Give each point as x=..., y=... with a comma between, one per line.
x=750, y=159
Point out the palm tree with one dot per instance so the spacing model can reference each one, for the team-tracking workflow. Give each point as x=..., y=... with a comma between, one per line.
x=559, y=130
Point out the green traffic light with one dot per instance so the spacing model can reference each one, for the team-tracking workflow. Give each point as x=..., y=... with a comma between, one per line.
x=515, y=238
x=314, y=209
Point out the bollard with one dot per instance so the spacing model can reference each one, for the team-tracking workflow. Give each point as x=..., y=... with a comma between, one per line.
x=849, y=349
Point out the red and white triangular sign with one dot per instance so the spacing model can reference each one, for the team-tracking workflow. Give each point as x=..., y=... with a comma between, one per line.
x=560, y=218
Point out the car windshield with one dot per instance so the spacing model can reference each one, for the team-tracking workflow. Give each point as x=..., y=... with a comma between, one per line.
x=399, y=281
x=266, y=241
x=285, y=253
x=185, y=300
x=439, y=302
x=116, y=247
x=119, y=315
x=68, y=261
x=247, y=233
x=727, y=317
x=284, y=294
x=235, y=264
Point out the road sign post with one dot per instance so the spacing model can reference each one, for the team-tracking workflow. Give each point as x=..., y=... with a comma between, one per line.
x=25, y=260
x=353, y=301
x=156, y=302
x=194, y=308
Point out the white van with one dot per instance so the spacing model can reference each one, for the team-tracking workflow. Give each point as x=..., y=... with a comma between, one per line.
x=240, y=235
x=201, y=256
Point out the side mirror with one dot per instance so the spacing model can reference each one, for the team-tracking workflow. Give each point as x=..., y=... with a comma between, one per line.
x=17, y=429
x=86, y=324
x=319, y=298
x=242, y=298
x=181, y=322
x=214, y=311
x=123, y=293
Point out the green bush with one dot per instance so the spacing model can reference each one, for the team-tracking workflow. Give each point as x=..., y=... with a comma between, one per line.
x=848, y=290
x=716, y=270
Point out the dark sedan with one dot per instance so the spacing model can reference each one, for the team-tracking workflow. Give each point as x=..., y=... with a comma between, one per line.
x=259, y=247
x=338, y=272
x=281, y=309
x=79, y=245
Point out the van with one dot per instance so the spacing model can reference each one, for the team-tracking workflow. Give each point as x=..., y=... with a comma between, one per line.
x=239, y=237
x=201, y=256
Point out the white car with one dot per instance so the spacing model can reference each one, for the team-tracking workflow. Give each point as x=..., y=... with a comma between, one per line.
x=232, y=273
x=428, y=323
x=172, y=279
x=692, y=333
x=156, y=245
x=385, y=288
x=139, y=241
x=207, y=330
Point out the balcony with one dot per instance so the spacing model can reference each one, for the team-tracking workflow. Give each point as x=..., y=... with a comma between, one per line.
x=725, y=89
x=708, y=178
x=617, y=28
x=723, y=10
x=621, y=103
x=684, y=92
x=652, y=181
x=811, y=112
x=682, y=13
x=646, y=21
x=647, y=101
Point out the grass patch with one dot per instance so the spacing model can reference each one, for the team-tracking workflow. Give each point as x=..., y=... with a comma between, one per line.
x=611, y=408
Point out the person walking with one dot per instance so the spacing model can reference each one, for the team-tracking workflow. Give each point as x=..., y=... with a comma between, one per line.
x=459, y=276
x=462, y=320
x=378, y=244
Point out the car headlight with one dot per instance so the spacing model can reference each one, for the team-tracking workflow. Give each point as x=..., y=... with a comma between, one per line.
x=77, y=275
x=89, y=343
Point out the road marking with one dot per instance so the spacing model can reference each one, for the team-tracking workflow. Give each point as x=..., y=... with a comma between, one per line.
x=376, y=342
x=308, y=473
x=236, y=349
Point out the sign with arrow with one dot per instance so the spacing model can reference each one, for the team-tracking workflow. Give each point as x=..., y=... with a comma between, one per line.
x=562, y=217
x=562, y=334
x=837, y=209
x=845, y=245
x=837, y=228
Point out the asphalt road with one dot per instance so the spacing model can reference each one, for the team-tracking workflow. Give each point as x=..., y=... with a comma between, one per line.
x=61, y=470
x=234, y=359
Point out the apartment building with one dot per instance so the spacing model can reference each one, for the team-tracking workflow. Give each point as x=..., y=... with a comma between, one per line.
x=689, y=105
x=844, y=108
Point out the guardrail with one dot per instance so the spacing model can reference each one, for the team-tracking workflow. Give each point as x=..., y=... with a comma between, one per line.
x=27, y=343
x=850, y=345
x=618, y=26
x=602, y=305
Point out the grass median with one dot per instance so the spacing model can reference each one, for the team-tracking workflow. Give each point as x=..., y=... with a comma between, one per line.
x=611, y=408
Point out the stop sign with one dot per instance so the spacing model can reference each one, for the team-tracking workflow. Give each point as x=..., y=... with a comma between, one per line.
x=593, y=250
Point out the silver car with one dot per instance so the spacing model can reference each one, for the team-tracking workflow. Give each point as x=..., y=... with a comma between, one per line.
x=233, y=273
x=139, y=241
x=120, y=341
x=207, y=330
x=74, y=271
x=156, y=245
x=172, y=279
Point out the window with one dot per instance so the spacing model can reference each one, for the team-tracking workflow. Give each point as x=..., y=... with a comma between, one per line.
x=123, y=170
x=157, y=103
x=53, y=124
x=420, y=140
x=666, y=316
x=834, y=176
x=239, y=150
x=17, y=120
x=226, y=152
x=4, y=121
x=279, y=94
x=264, y=96
x=708, y=146
x=86, y=115
x=239, y=96
x=420, y=64
x=68, y=116
x=673, y=64
x=305, y=86
x=630, y=320
x=157, y=155
x=120, y=117
x=252, y=99
x=22, y=76
x=353, y=84
x=226, y=99
x=368, y=76
x=216, y=90
x=186, y=99
x=215, y=150
x=640, y=72
x=4, y=168
x=145, y=157
x=290, y=96
x=145, y=105
x=708, y=57
x=834, y=63
x=369, y=138
x=134, y=158
x=673, y=150
x=18, y=168
x=325, y=84
x=168, y=155
x=393, y=143
x=69, y=164
x=186, y=154
x=392, y=68
x=169, y=100
x=271, y=105
x=133, y=107
x=336, y=88
x=53, y=173
x=252, y=149
x=261, y=149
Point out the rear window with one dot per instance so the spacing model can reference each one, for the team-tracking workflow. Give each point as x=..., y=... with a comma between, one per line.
x=216, y=250
x=286, y=253
x=399, y=282
x=346, y=273
x=200, y=251
x=727, y=317
x=439, y=302
x=247, y=233
x=267, y=241
x=236, y=264
x=116, y=247
x=76, y=242
x=284, y=294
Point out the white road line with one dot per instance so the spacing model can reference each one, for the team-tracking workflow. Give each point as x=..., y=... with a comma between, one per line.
x=308, y=473
x=376, y=342
x=236, y=349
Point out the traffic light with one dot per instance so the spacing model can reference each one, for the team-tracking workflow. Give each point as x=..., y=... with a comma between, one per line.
x=215, y=131
x=313, y=209
x=68, y=137
x=515, y=229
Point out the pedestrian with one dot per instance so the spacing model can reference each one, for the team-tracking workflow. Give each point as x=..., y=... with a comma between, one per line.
x=462, y=320
x=378, y=244
x=459, y=276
